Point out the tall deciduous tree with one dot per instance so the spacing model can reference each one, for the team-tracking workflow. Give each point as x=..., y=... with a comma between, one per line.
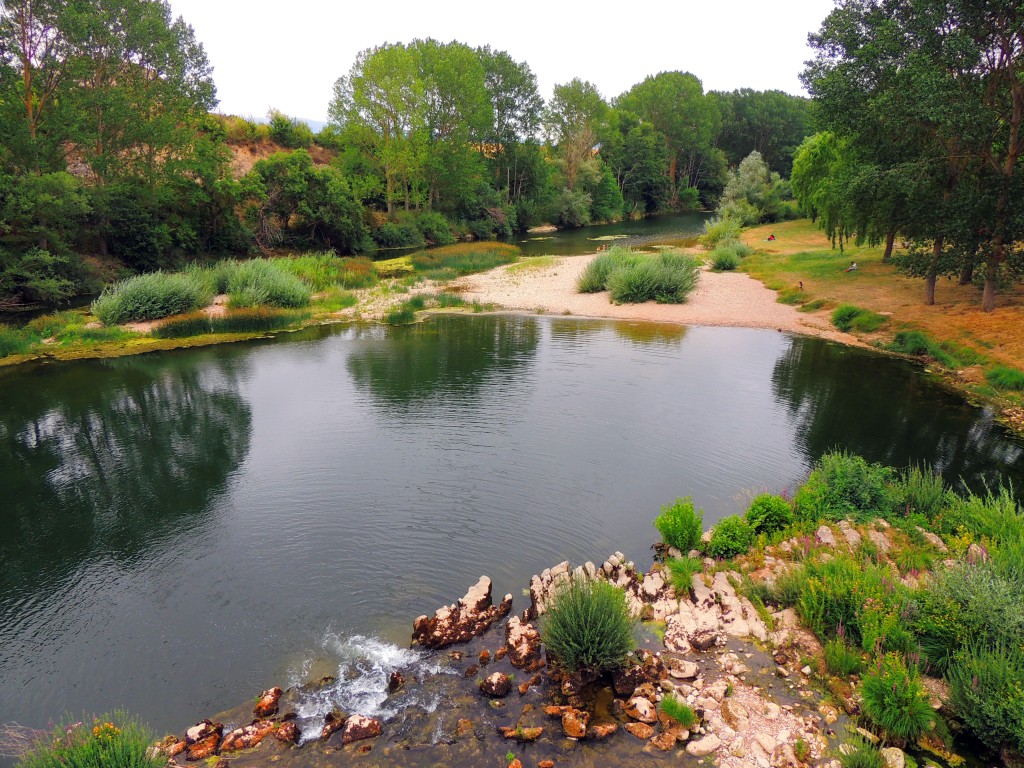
x=573, y=117
x=770, y=122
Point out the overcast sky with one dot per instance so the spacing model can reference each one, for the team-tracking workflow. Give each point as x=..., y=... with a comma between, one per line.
x=288, y=54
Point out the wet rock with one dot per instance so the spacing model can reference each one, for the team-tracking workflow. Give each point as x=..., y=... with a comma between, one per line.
x=464, y=727
x=521, y=734
x=500, y=654
x=704, y=640
x=516, y=763
x=546, y=764
x=471, y=670
x=641, y=709
x=247, y=737
x=395, y=682
x=202, y=730
x=664, y=741
x=641, y=730
x=267, y=705
x=572, y=685
x=522, y=642
x=485, y=658
x=785, y=757
x=824, y=537
x=202, y=740
x=601, y=731
x=463, y=620
x=175, y=748
x=894, y=758
x=497, y=685
x=332, y=722
x=288, y=732
x=360, y=727
x=625, y=680
x=574, y=723
x=705, y=746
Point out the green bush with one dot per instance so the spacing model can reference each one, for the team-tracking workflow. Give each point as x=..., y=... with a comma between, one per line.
x=841, y=659
x=594, y=278
x=667, y=278
x=862, y=754
x=150, y=297
x=588, y=627
x=401, y=315
x=682, y=570
x=678, y=710
x=680, y=525
x=394, y=235
x=987, y=693
x=768, y=514
x=1002, y=377
x=260, y=282
x=435, y=228
x=896, y=701
x=111, y=741
x=719, y=229
x=732, y=536
x=844, y=485
x=911, y=343
x=921, y=490
x=846, y=317
x=724, y=260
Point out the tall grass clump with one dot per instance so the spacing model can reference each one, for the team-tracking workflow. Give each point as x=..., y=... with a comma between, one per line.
x=14, y=341
x=682, y=570
x=110, y=741
x=667, y=278
x=987, y=693
x=768, y=514
x=594, y=278
x=862, y=754
x=845, y=485
x=1002, y=377
x=260, y=282
x=463, y=259
x=680, y=525
x=727, y=254
x=847, y=317
x=896, y=701
x=678, y=710
x=248, y=320
x=841, y=659
x=718, y=229
x=921, y=490
x=732, y=536
x=588, y=627
x=150, y=297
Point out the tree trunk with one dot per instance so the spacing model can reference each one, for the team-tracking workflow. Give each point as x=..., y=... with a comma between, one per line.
x=967, y=274
x=932, y=274
x=890, y=238
x=988, y=296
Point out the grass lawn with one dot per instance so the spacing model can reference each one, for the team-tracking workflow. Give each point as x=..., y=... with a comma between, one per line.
x=802, y=252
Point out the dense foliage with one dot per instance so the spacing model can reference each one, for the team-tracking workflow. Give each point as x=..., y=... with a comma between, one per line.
x=680, y=525
x=109, y=741
x=588, y=627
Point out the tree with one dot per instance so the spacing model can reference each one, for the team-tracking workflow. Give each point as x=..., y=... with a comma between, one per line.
x=572, y=121
x=941, y=82
x=772, y=123
x=637, y=156
x=675, y=104
x=754, y=194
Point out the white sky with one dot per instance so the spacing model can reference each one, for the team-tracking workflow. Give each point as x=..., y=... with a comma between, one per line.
x=287, y=55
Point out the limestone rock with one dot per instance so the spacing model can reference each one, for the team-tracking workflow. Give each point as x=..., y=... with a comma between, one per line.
x=332, y=722
x=601, y=731
x=288, y=732
x=202, y=739
x=641, y=709
x=683, y=670
x=641, y=730
x=574, y=723
x=463, y=620
x=848, y=532
x=247, y=737
x=497, y=685
x=824, y=536
x=894, y=758
x=880, y=541
x=267, y=704
x=785, y=757
x=522, y=642
x=627, y=679
x=705, y=746
x=360, y=727
x=521, y=734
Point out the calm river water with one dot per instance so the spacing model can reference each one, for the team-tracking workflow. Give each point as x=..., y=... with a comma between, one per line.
x=181, y=530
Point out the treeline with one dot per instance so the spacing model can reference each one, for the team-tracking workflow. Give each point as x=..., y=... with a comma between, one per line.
x=921, y=105
x=110, y=149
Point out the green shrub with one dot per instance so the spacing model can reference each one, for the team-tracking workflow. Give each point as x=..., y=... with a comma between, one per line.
x=718, y=229
x=841, y=659
x=260, y=282
x=1002, y=377
x=111, y=741
x=14, y=341
x=987, y=693
x=401, y=315
x=51, y=326
x=394, y=235
x=921, y=490
x=732, y=536
x=844, y=315
x=192, y=324
x=588, y=627
x=682, y=570
x=911, y=343
x=666, y=278
x=678, y=711
x=463, y=259
x=723, y=260
x=843, y=485
x=768, y=514
x=680, y=525
x=435, y=228
x=896, y=701
x=594, y=278
x=150, y=297
x=446, y=300
x=862, y=754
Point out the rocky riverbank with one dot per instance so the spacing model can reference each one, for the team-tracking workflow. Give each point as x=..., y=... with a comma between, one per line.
x=483, y=693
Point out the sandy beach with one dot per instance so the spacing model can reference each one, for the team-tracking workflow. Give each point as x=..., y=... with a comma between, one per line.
x=720, y=299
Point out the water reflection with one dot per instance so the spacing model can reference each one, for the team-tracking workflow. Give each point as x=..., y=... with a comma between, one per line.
x=665, y=335
x=134, y=447
x=857, y=402
x=446, y=357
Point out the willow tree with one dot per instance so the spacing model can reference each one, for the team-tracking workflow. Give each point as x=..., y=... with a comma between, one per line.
x=944, y=82
x=573, y=118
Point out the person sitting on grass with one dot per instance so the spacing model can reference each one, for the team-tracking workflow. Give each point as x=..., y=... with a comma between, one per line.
x=852, y=267
x=771, y=238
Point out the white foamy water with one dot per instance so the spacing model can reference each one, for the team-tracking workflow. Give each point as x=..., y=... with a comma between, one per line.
x=365, y=665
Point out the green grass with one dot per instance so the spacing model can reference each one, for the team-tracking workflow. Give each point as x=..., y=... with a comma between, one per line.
x=531, y=263
x=896, y=701
x=680, y=524
x=727, y=254
x=391, y=268
x=847, y=317
x=463, y=259
x=110, y=741
x=248, y=320
x=678, y=710
x=594, y=278
x=588, y=627
x=448, y=300
x=862, y=754
x=14, y=341
x=335, y=300
x=667, y=277
x=264, y=283
x=401, y=315
x=682, y=570
x=840, y=659
x=1002, y=377
x=321, y=271
x=150, y=297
